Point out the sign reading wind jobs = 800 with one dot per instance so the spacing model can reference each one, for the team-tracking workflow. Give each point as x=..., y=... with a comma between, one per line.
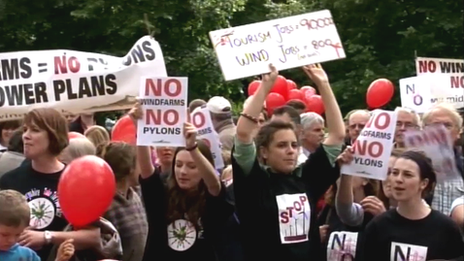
x=75, y=81
x=287, y=43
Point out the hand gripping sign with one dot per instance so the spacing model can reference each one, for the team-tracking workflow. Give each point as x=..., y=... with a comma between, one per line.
x=373, y=147
x=201, y=119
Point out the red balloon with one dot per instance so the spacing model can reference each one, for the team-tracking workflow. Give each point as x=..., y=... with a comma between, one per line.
x=308, y=91
x=124, y=130
x=315, y=104
x=253, y=87
x=291, y=85
x=274, y=100
x=295, y=94
x=379, y=93
x=75, y=135
x=280, y=87
x=85, y=190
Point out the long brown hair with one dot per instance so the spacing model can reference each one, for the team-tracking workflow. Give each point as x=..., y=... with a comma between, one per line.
x=184, y=204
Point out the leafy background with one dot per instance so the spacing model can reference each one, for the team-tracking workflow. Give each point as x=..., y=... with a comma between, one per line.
x=380, y=38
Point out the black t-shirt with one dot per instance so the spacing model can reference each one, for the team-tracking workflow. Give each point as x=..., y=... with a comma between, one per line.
x=390, y=236
x=277, y=212
x=41, y=193
x=181, y=240
x=348, y=248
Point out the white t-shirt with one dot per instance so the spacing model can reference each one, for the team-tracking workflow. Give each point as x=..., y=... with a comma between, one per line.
x=457, y=202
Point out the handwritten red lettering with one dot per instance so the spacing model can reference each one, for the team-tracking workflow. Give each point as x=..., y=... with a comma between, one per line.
x=198, y=120
x=159, y=88
x=62, y=64
x=160, y=117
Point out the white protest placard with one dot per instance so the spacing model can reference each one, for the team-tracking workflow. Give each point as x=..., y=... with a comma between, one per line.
x=451, y=89
x=372, y=149
x=289, y=42
x=342, y=246
x=436, y=143
x=75, y=81
x=164, y=105
x=416, y=92
x=201, y=119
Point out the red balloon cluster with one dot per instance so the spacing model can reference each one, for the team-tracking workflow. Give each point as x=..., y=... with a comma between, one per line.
x=379, y=93
x=285, y=90
x=85, y=190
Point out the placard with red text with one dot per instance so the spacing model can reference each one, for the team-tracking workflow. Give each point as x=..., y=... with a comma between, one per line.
x=451, y=89
x=287, y=43
x=201, y=119
x=372, y=149
x=164, y=105
x=436, y=143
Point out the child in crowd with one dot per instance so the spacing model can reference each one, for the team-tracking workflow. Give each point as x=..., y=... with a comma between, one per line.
x=14, y=218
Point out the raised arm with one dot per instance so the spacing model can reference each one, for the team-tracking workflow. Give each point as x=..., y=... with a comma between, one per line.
x=143, y=152
x=206, y=169
x=244, y=149
x=335, y=125
x=249, y=117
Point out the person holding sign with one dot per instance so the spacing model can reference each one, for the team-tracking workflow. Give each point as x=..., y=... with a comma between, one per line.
x=412, y=231
x=186, y=215
x=276, y=200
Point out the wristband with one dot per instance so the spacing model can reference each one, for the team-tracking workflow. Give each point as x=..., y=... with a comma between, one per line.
x=192, y=148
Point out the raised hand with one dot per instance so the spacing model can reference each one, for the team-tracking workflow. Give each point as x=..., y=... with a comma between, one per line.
x=190, y=132
x=136, y=113
x=316, y=74
x=269, y=79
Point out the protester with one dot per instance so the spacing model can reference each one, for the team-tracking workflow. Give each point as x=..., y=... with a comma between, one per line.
x=82, y=122
x=262, y=192
x=77, y=148
x=412, y=229
x=126, y=212
x=356, y=122
x=97, y=135
x=13, y=157
x=6, y=130
x=221, y=115
x=45, y=137
x=312, y=135
x=185, y=217
x=298, y=105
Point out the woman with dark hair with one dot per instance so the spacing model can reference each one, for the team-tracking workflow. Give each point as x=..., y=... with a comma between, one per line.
x=45, y=136
x=185, y=216
x=6, y=131
x=276, y=199
x=412, y=230
x=13, y=157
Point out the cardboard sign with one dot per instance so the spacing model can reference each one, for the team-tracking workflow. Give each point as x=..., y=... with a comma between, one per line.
x=373, y=147
x=287, y=43
x=451, y=90
x=75, y=81
x=201, y=119
x=437, y=144
x=164, y=105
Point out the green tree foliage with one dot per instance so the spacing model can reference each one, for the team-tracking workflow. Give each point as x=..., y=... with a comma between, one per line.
x=380, y=38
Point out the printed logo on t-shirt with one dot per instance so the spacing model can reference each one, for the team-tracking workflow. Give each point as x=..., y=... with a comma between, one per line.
x=294, y=217
x=181, y=235
x=407, y=252
x=44, y=207
x=342, y=246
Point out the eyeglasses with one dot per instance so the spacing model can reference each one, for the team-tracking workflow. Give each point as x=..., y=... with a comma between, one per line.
x=406, y=125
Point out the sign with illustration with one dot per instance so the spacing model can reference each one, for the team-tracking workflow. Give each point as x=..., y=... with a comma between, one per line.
x=294, y=217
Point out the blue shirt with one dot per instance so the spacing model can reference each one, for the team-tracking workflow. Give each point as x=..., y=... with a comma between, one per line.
x=19, y=253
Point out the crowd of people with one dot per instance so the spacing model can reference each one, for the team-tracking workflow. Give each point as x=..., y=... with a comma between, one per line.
x=280, y=195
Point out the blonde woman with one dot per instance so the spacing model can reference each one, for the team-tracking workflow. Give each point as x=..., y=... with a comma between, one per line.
x=97, y=135
x=76, y=149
